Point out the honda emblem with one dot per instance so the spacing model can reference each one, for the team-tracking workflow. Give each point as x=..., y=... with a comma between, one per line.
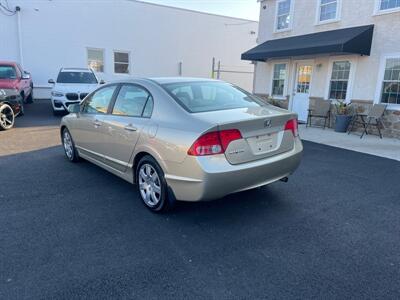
x=267, y=123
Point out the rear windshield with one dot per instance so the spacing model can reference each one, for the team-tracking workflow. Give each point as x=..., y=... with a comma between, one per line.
x=209, y=96
x=76, y=77
x=7, y=72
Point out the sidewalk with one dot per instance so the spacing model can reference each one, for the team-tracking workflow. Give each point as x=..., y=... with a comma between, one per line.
x=371, y=144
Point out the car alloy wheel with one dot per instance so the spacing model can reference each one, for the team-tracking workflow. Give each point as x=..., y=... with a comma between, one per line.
x=69, y=147
x=149, y=185
x=7, y=117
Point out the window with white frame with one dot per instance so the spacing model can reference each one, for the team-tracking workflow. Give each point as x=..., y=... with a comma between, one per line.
x=389, y=4
x=121, y=62
x=328, y=10
x=95, y=59
x=339, y=80
x=283, y=14
x=278, y=80
x=391, y=82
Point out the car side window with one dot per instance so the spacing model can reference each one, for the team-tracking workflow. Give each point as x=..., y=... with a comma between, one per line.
x=148, y=109
x=98, y=102
x=132, y=101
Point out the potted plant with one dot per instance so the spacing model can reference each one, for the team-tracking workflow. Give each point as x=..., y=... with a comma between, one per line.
x=343, y=116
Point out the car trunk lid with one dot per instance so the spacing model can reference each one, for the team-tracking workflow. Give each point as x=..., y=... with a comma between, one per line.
x=262, y=129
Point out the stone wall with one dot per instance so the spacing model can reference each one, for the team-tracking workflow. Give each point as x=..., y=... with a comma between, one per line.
x=283, y=103
x=391, y=118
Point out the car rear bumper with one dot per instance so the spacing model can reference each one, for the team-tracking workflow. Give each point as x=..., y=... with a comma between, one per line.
x=208, y=178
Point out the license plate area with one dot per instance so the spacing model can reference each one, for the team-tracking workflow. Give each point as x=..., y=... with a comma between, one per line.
x=262, y=144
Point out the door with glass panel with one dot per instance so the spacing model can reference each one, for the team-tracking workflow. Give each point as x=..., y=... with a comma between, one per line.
x=129, y=116
x=302, y=86
x=88, y=129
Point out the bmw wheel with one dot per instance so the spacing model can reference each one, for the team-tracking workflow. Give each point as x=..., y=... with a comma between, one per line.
x=152, y=186
x=69, y=146
x=7, y=117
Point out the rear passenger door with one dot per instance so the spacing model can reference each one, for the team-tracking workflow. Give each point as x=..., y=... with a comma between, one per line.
x=128, y=117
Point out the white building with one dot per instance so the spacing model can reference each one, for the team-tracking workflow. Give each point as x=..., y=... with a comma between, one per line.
x=358, y=64
x=120, y=38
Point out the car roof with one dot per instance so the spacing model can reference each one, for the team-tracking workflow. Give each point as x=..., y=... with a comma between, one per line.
x=8, y=63
x=166, y=80
x=76, y=70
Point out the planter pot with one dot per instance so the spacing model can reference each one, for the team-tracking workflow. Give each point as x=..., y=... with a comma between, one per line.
x=342, y=122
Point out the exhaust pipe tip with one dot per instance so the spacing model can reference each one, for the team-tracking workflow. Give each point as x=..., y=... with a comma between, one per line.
x=284, y=179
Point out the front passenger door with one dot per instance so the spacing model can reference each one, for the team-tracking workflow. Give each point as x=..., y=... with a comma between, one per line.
x=129, y=116
x=88, y=132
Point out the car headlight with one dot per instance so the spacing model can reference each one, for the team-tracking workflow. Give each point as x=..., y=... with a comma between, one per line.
x=57, y=94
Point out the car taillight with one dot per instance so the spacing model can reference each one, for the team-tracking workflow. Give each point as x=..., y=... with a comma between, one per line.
x=215, y=142
x=292, y=126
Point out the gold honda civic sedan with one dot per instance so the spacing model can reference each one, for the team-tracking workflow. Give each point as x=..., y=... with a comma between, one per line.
x=182, y=138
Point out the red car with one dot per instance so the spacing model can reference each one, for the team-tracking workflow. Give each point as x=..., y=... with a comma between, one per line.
x=13, y=77
x=11, y=105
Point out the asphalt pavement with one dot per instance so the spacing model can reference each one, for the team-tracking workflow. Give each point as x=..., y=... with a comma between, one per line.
x=75, y=231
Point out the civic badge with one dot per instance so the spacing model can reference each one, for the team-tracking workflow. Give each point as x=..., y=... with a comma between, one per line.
x=267, y=123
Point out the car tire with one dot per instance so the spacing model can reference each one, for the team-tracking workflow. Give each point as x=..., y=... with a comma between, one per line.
x=29, y=99
x=69, y=146
x=7, y=117
x=152, y=186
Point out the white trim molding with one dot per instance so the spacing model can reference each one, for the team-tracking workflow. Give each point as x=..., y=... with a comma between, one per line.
x=381, y=74
x=129, y=61
x=104, y=58
x=353, y=68
x=378, y=11
x=291, y=14
x=337, y=16
x=286, y=80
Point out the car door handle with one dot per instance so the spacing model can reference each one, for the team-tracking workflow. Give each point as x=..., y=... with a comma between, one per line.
x=97, y=123
x=130, y=127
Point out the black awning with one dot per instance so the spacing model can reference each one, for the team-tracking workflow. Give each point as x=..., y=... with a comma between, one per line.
x=354, y=40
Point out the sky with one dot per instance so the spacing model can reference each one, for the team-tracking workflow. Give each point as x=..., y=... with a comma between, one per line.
x=246, y=9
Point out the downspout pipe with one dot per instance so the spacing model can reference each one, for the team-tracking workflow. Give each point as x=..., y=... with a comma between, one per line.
x=19, y=30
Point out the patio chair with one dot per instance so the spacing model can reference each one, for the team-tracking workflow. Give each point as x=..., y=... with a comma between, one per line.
x=322, y=110
x=372, y=118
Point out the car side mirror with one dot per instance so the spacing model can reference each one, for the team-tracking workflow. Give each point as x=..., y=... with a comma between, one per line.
x=26, y=75
x=102, y=81
x=74, y=108
x=51, y=81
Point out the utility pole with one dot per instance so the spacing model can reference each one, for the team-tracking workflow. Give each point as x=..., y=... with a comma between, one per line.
x=213, y=68
x=180, y=68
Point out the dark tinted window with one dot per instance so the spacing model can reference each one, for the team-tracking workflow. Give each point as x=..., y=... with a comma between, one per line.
x=76, y=77
x=210, y=96
x=131, y=101
x=99, y=101
x=7, y=72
